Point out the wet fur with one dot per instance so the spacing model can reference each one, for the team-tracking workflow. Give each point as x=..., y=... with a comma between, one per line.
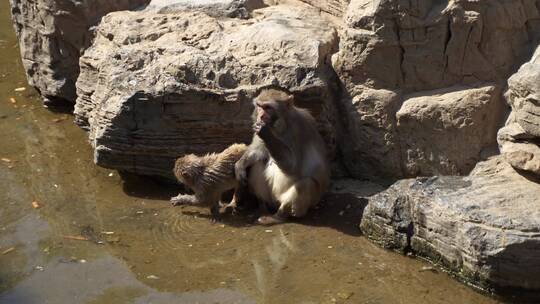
x=208, y=176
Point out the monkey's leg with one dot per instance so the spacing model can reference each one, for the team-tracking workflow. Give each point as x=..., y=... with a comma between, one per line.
x=295, y=202
x=306, y=194
x=233, y=205
x=214, y=210
x=184, y=199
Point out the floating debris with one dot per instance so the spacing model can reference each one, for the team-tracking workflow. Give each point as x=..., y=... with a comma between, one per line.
x=40, y=268
x=345, y=295
x=152, y=277
x=57, y=120
x=268, y=230
x=10, y=249
x=6, y=160
x=140, y=212
x=111, y=174
x=75, y=237
x=341, y=213
x=20, y=89
x=82, y=261
x=112, y=239
x=428, y=268
x=12, y=100
x=107, y=232
x=36, y=205
x=330, y=247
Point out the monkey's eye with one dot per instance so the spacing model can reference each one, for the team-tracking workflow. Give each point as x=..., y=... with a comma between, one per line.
x=264, y=106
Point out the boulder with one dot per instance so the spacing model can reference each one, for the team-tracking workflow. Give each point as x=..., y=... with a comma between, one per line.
x=155, y=86
x=409, y=47
x=520, y=149
x=371, y=145
x=445, y=131
x=485, y=228
x=53, y=34
x=519, y=140
x=523, y=95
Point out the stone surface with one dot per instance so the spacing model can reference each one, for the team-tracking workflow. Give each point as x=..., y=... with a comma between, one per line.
x=412, y=47
x=332, y=7
x=155, y=86
x=523, y=95
x=485, y=228
x=52, y=35
x=371, y=145
x=519, y=140
x=445, y=131
x=214, y=8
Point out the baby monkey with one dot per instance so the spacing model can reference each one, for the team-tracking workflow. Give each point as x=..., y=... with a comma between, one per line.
x=209, y=176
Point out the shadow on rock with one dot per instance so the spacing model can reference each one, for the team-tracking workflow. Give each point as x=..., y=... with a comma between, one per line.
x=518, y=262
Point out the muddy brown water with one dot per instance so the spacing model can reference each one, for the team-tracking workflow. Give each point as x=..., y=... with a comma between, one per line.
x=139, y=249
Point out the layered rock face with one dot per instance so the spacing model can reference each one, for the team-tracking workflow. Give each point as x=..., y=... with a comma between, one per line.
x=405, y=47
x=155, y=86
x=519, y=140
x=53, y=34
x=485, y=227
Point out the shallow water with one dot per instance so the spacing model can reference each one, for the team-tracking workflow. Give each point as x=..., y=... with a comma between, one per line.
x=98, y=238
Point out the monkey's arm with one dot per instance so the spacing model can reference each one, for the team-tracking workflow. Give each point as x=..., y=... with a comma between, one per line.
x=255, y=152
x=280, y=152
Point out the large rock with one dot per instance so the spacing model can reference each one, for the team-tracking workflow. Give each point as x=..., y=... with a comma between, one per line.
x=446, y=131
x=519, y=140
x=485, y=228
x=53, y=34
x=155, y=86
x=371, y=144
x=519, y=148
x=416, y=46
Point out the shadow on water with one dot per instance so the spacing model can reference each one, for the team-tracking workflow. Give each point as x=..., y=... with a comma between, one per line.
x=149, y=187
x=339, y=211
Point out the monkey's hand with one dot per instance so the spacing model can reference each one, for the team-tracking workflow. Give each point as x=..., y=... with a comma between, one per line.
x=262, y=129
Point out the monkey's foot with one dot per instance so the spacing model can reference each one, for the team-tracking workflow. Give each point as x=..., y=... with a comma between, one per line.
x=229, y=208
x=268, y=220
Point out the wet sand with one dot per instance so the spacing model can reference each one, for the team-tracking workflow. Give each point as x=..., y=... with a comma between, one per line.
x=98, y=238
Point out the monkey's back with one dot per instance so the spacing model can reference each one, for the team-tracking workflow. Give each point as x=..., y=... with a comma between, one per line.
x=222, y=164
x=218, y=174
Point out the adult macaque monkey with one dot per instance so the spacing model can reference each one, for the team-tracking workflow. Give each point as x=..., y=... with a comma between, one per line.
x=286, y=164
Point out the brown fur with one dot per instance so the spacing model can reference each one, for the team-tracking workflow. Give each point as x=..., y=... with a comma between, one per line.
x=209, y=176
x=286, y=160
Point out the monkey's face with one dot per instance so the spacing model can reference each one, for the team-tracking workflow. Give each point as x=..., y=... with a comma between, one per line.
x=187, y=169
x=266, y=112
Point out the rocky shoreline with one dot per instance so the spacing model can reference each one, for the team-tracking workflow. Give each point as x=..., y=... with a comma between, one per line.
x=400, y=90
